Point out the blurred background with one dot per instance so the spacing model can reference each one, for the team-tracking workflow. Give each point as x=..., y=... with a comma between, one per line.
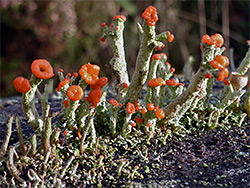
x=67, y=33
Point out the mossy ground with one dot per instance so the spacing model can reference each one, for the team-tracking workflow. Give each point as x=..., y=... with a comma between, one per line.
x=207, y=158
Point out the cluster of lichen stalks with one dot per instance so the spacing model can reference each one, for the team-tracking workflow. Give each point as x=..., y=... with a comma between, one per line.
x=160, y=110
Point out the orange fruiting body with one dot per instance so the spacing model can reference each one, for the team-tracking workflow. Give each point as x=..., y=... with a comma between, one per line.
x=219, y=62
x=136, y=103
x=153, y=83
x=133, y=124
x=223, y=74
x=165, y=55
x=100, y=83
x=125, y=85
x=75, y=74
x=156, y=82
x=223, y=60
x=171, y=82
x=150, y=106
x=42, y=69
x=139, y=120
x=171, y=38
x=144, y=111
x=63, y=83
x=160, y=81
x=69, y=75
x=21, y=84
x=208, y=75
x=121, y=17
x=156, y=56
x=215, y=39
x=75, y=93
x=95, y=96
x=206, y=39
x=102, y=39
x=66, y=103
x=159, y=113
x=226, y=82
x=150, y=15
x=114, y=102
x=90, y=73
x=130, y=108
x=218, y=40
x=79, y=134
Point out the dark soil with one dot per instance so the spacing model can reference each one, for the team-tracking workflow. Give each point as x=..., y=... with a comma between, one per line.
x=210, y=158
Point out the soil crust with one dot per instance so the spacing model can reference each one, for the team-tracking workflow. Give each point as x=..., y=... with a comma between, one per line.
x=209, y=158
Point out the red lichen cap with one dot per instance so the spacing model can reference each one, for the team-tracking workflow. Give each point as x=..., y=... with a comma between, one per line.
x=171, y=82
x=208, y=75
x=156, y=56
x=150, y=15
x=156, y=82
x=218, y=40
x=153, y=83
x=220, y=62
x=130, y=108
x=63, y=83
x=95, y=96
x=125, y=85
x=122, y=17
x=150, y=106
x=21, y=84
x=215, y=39
x=144, y=111
x=114, y=102
x=66, y=103
x=226, y=82
x=206, y=39
x=164, y=55
x=42, y=69
x=160, y=113
x=75, y=93
x=90, y=73
x=100, y=83
x=139, y=120
x=133, y=124
x=171, y=38
x=223, y=74
x=102, y=39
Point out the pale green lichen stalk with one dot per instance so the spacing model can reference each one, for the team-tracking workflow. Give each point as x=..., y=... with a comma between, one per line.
x=148, y=42
x=118, y=62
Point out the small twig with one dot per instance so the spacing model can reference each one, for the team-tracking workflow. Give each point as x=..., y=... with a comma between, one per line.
x=35, y=175
x=72, y=157
x=20, y=134
x=96, y=146
x=242, y=119
x=7, y=136
x=33, y=145
x=11, y=166
x=121, y=165
x=213, y=116
x=86, y=129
